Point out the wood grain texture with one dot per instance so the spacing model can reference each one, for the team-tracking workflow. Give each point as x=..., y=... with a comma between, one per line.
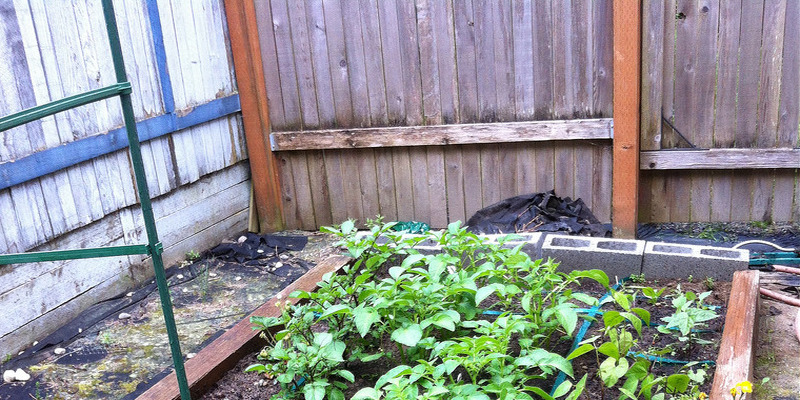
x=443, y=134
x=223, y=353
x=627, y=99
x=736, y=351
x=720, y=159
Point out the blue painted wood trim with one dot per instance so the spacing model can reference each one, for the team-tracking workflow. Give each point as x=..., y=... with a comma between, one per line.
x=66, y=155
x=161, y=56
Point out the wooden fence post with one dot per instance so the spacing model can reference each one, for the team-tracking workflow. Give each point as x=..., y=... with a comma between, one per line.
x=627, y=99
x=243, y=32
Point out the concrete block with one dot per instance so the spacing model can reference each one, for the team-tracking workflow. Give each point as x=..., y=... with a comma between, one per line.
x=531, y=242
x=672, y=260
x=617, y=257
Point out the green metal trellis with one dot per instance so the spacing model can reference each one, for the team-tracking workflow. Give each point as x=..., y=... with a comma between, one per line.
x=153, y=247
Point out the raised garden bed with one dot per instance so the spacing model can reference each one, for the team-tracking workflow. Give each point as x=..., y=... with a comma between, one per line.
x=362, y=327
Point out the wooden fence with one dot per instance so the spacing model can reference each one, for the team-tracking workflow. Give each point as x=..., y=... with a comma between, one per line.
x=66, y=182
x=721, y=75
x=348, y=65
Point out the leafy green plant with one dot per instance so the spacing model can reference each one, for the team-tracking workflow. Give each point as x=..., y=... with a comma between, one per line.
x=192, y=256
x=652, y=295
x=430, y=308
x=709, y=282
x=690, y=316
x=637, y=278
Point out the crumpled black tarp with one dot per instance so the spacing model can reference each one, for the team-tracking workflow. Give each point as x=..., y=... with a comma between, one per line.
x=270, y=245
x=543, y=212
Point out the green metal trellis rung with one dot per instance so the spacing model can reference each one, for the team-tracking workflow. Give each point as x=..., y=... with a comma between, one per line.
x=57, y=255
x=154, y=248
x=44, y=110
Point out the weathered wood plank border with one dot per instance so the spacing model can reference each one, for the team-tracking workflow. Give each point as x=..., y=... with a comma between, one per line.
x=223, y=353
x=720, y=159
x=735, y=360
x=440, y=135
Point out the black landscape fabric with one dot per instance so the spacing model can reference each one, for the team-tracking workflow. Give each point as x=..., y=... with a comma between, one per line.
x=543, y=212
x=270, y=245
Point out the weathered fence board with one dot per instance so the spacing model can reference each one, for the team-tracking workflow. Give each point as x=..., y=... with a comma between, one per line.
x=452, y=182
x=725, y=76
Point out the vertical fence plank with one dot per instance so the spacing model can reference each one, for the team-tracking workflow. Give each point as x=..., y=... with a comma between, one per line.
x=601, y=188
x=484, y=58
x=563, y=92
x=429, y=63
x=409, y=55
x=508, y=177
x=301, y=45
x=392, y=62
x=302, y=191
x=288, y=200
x=467, y=78
x=387, y=199
x=266, y=35
x=454, y=178
x=583, y=56
x=770, y=72
x=317, y=33
x=436, y=184
x=564, y=163
x=523, y=59
x=604, y=58
x=340, y=77
x=471, y=161
x=444, y=31
x=419, y=182
x=504, y=60
x=356, y=64
x=333, y=173
x=320, y=192
x=368, y=178
x=403, y=184
x=542, y=62
x=653, y=20
x=373, y=62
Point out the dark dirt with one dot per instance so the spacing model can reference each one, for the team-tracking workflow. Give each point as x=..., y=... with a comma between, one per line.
x=237, y=384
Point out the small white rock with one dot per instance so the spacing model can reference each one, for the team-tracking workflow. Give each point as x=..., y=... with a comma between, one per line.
x=124, y=316
x=179, y=276
x=185, y=290
x=35, y=342
x=21, y=375
x=262, y=382
x=133, y=376
x=59, y=351
x=284, y=257
x=278, y=264
x=9, y=376
x=190, y=355
x=242, y=239
x=259, y=251
x=212, y=274
x=80, y=330
x=130, y=294
x=238, y=278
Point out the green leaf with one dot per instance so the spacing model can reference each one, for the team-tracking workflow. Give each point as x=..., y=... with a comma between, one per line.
x=391, y=374
x=485, y=292
x=367, y=393
x=333, y=351
x=622, y=299
x=335, y=394
x=581, y=350
x=609, y=349
x=612, y=318
x=408, y=335
x=348, y=226
x=568, y=318
x=370, y=357
x=322, y=339
x=539, y=392
x=643, y=314
x=364, y=318
x=677, y=383
x=595, y=274
x=347, y=375
x=562, y=389
x=256, y=368
x=612, y=370
x=314, y=390
x=543, y=358
x=585, y=298
x=335, y=309
x=578, y=389
x=412, y=259
x=395, y=272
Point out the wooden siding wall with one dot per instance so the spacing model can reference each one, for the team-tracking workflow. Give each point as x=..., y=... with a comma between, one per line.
x=726, y=75
x=196, y=175
x=345, y=64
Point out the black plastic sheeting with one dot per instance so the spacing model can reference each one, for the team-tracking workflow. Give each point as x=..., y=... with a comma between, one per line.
x=270, y=245
x=538, y=212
